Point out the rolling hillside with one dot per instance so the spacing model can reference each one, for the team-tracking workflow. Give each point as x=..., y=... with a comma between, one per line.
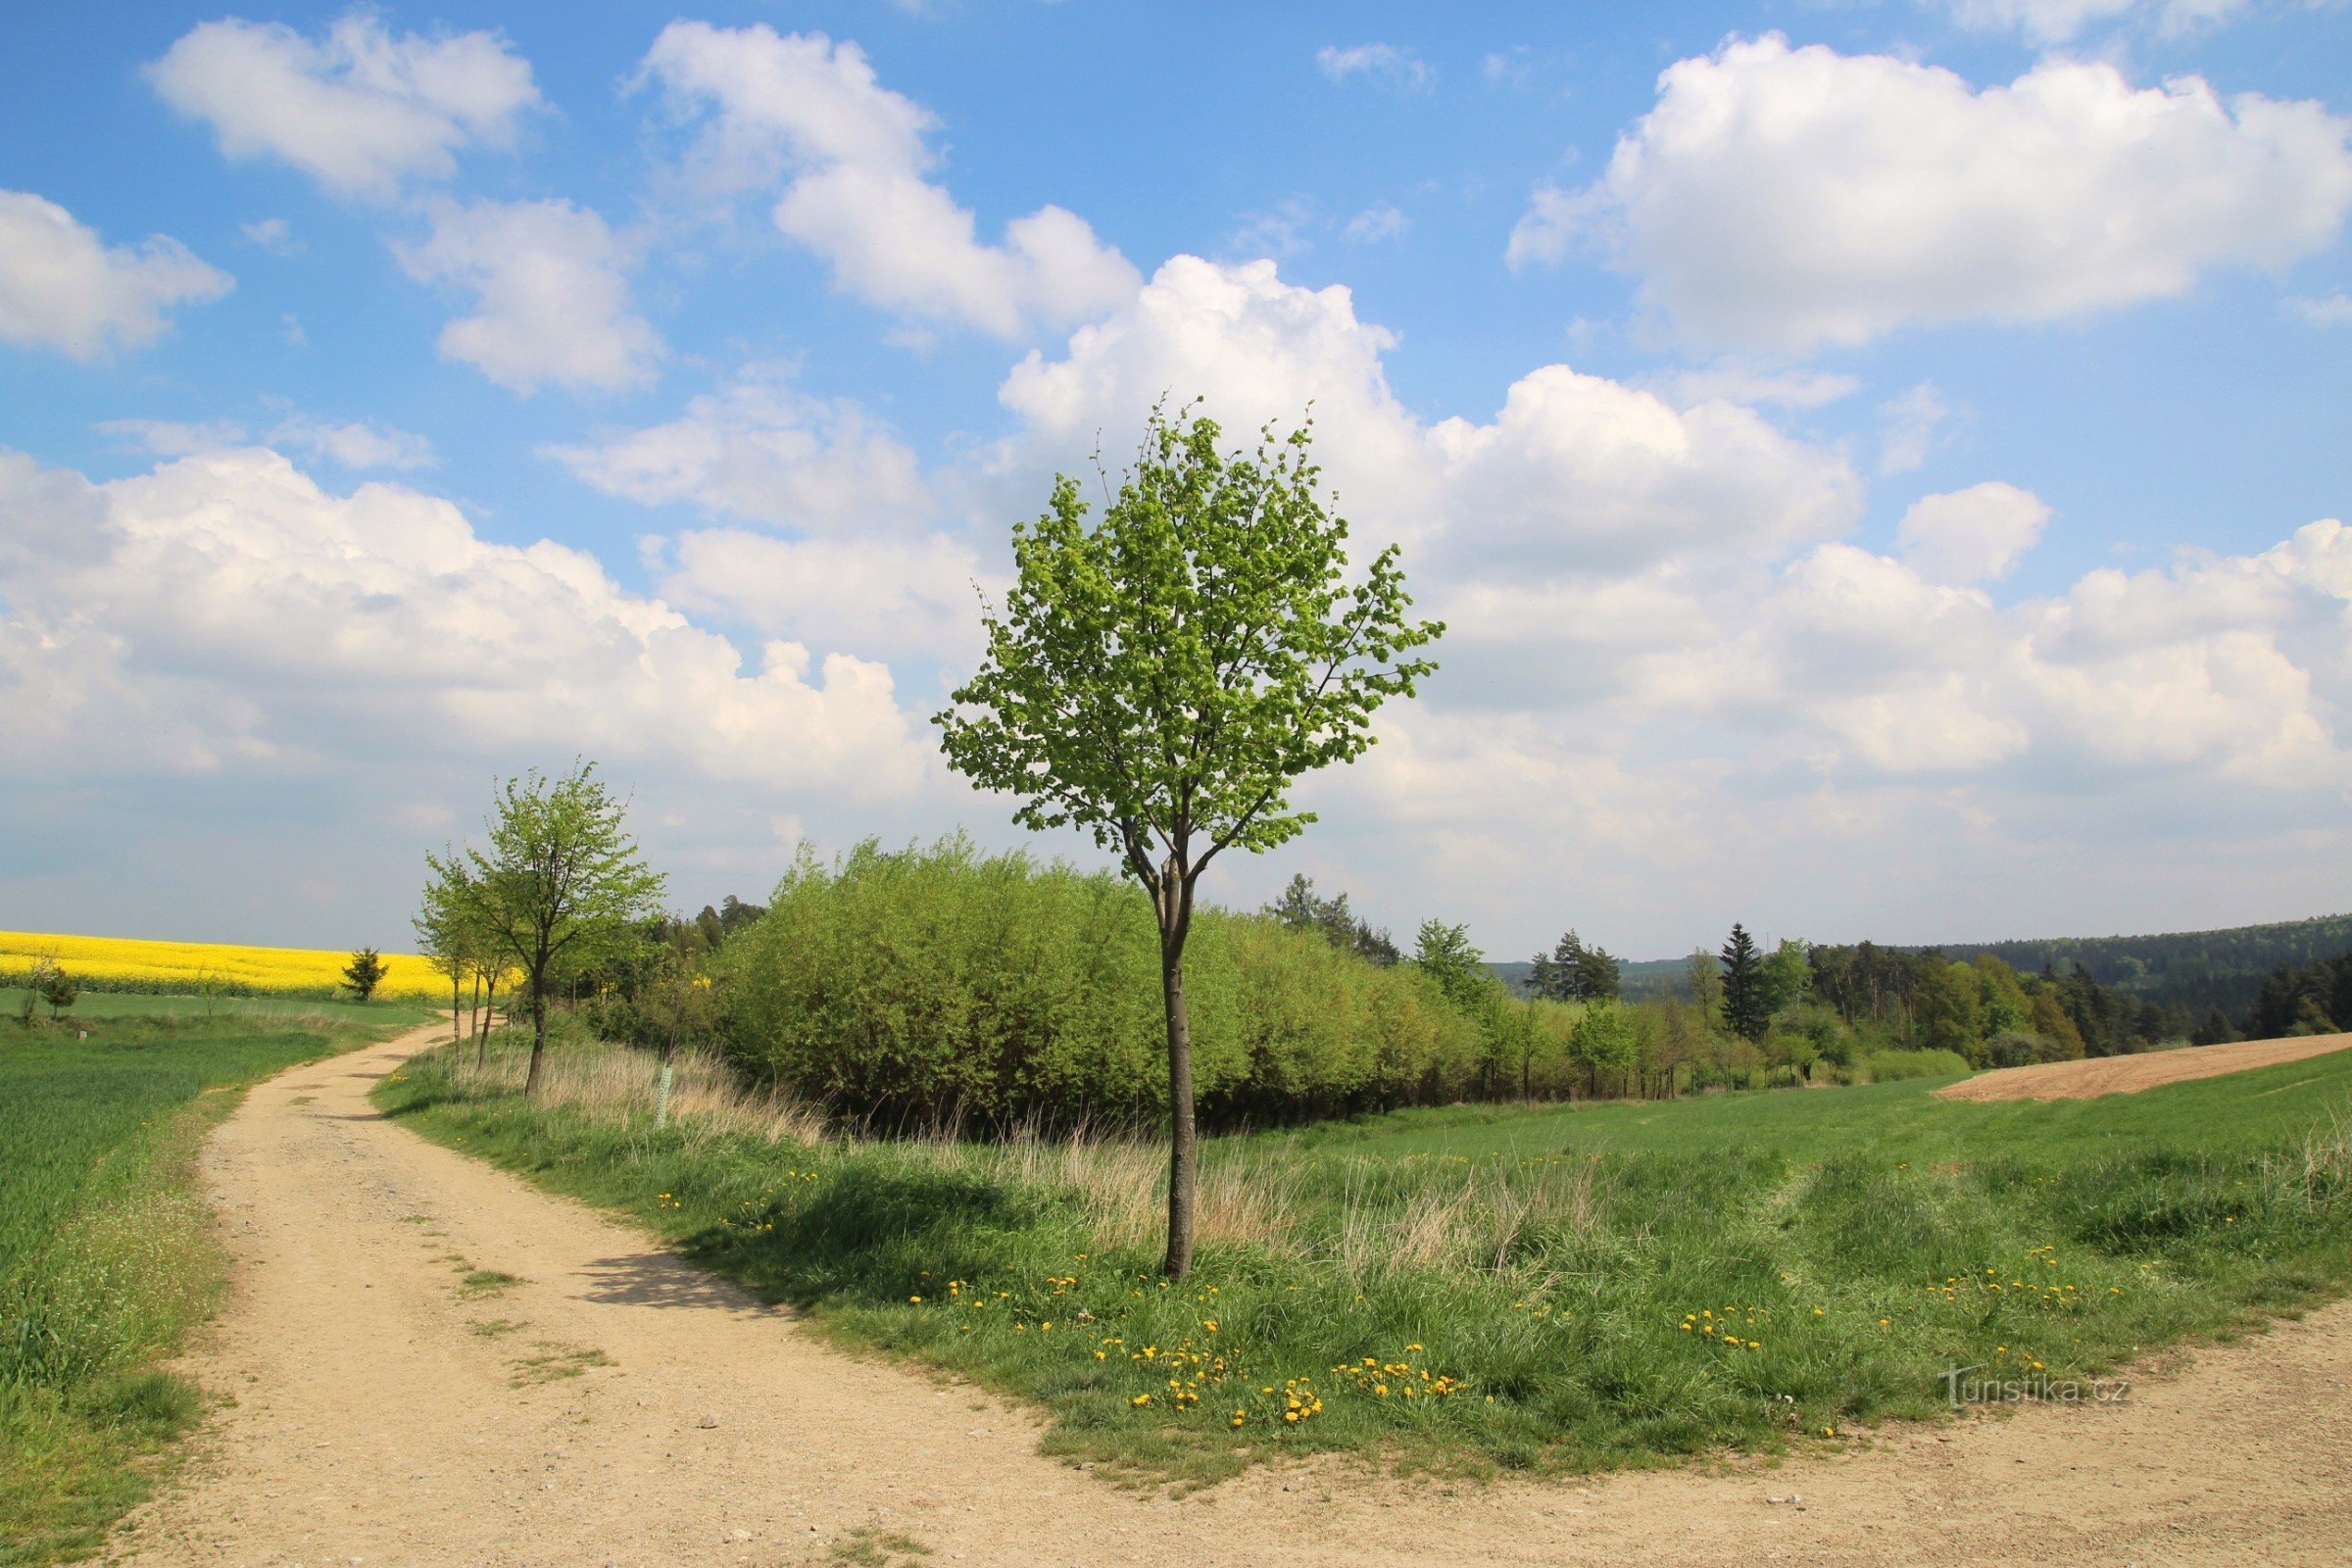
x=2193, y=969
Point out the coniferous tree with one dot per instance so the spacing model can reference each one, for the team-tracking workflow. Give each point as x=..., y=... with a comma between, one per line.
x=2214, y=1031
x=1568, y=965
x=1598, y=977
x=1300, y=910
x=1543, y=978
x=1746, y=1009
x=364, y=973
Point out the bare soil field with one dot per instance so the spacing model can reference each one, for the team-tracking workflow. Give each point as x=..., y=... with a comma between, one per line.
x=426, y=1361
x=2129, y=1075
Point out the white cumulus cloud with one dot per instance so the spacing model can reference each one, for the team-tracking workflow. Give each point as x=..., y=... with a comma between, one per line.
x=899, y=598
x=1782, y=198
x=1972, y=535
x=853, y=160
x=62, y=287
x=552, y=295
x=1575, y=472
x=358, y=108
x=759, y=450
x=225, y=614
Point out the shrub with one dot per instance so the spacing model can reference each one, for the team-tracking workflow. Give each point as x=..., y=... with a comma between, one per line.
x=1889, y=1066
x=925, y=983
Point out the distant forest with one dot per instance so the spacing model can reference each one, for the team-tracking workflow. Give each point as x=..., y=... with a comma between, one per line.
x=2191, y=972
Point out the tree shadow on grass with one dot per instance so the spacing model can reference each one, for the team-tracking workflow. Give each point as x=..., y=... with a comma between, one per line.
x=871, y=1236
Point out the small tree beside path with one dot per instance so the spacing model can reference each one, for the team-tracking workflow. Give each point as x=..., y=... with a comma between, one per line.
x=1160, y=679
x=561, y=885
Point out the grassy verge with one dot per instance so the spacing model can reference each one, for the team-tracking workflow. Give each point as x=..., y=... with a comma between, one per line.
x=106, y=1251
x=1553, y=1287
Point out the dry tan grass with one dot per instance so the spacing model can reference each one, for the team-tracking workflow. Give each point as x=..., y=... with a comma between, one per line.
x=1476, y=1225
x=705, y=1096
x=1247, y=1192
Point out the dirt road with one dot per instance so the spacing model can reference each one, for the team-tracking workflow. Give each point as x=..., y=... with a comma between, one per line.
x=615, y=1406
x=2129, y=1075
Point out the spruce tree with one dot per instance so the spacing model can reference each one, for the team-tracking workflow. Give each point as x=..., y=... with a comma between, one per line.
x=1746, y=1009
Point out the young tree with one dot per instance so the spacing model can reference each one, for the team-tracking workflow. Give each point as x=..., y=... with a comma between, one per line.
x=36, y=986
x=445, y=932
x=1163, y=677
x=1746, y=1009
x=364, y=973
x=1706, y=976
x=1604, y=1042
x=1444, y=954
x=1788, y=975
x=61, y=990
x=561, y=885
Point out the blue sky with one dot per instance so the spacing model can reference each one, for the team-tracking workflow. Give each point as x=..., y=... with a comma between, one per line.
x=1876, y=458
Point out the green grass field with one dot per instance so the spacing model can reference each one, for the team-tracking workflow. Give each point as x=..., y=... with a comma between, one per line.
x=1550, y=1288
x=106, y=1006
x=106, y=1253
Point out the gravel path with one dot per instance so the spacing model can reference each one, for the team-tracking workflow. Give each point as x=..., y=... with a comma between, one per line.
x=389, y=1401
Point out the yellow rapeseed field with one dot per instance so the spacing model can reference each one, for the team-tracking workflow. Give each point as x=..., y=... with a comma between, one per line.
x=198, y=966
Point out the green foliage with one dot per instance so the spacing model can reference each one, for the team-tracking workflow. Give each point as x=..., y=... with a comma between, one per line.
x=1703, y=975
x=1300, y=910
x=560, y=888
x=1163, y=679
x=1894, y=1066
x=1544, y=1261
x=2303, y=998
x=920, y=984
x=1604, y=1040
x=2191, y=970
x=1946, y=1010
x=61, y=990
x=1746, y=996
x=1172, y=671
x=1573, y=971
x=364, y=973
x=1444, y=955
x=106, y=1253
x=1784, y=976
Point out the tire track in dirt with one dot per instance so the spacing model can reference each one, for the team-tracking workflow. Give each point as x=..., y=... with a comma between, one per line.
x=433, y=1363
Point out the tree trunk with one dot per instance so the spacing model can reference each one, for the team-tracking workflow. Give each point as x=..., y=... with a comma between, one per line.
x=481, y=1026
x=455, y=1007
x=531, y=1081
x=1183, y=1157
x=473, y=1019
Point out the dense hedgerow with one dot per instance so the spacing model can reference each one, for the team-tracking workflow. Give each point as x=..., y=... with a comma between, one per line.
x=1894, y=1066
x=928, y=983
